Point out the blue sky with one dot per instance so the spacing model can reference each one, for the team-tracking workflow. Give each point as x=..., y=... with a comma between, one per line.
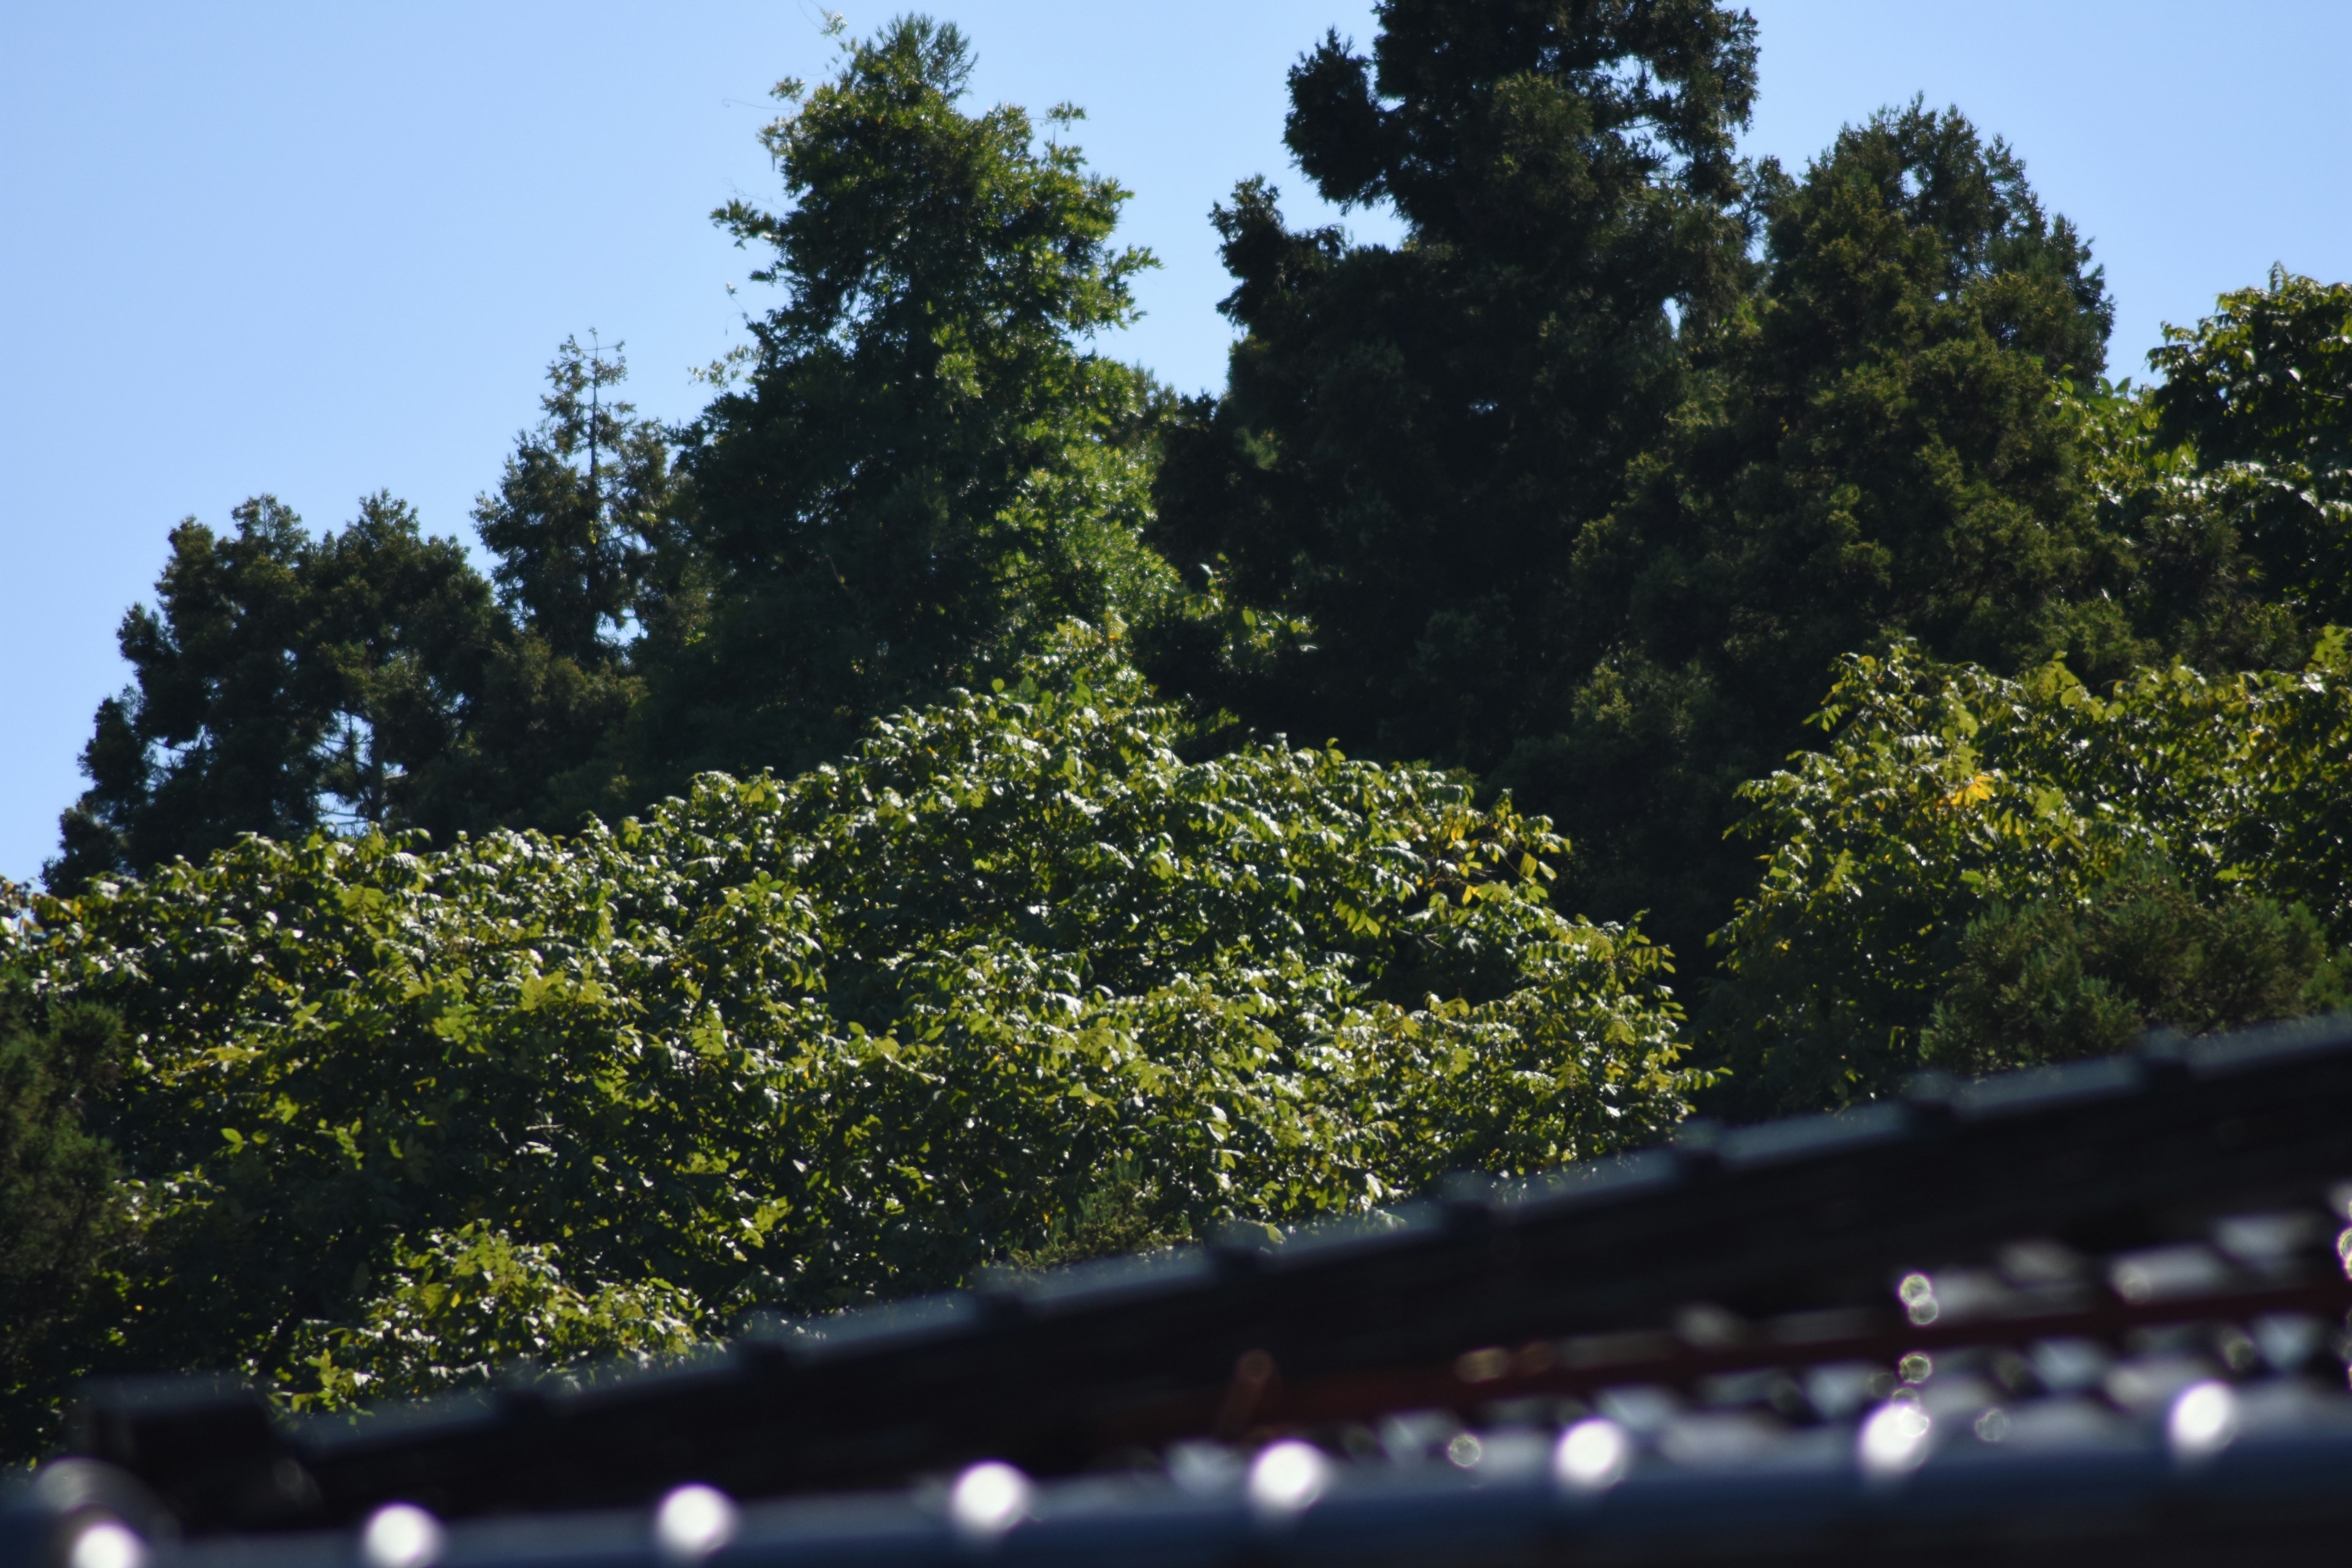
x=321, y=250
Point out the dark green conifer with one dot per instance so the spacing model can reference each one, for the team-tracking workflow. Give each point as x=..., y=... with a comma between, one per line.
x=584, y=503
x=1413, y=437
x=281, y=683
x=1885, y=440
x=62, y=1213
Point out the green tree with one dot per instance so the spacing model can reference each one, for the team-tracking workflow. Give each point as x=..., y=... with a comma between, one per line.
x=1016, y=977
x=2190, y=589
x=62, y=1212
x=1413, y=437
x=282, y=682
x=1980, y=870
x=591, y=571
x=925, y=470
x=586, y=503
x=1885, y=440
x=2260, y=395
x=365, y=678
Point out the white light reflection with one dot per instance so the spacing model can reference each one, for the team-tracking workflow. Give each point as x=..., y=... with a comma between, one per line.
x=1287, y=1477
x=1593, y=1456
x=2204, y=1419
x=1893, y=1440
x=109, y=1544
x=692, y=1522
x=401, y=1535
x=988, y=1499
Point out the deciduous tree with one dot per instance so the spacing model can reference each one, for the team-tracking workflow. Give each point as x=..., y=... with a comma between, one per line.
x=1016, y=974
x=1980, y=870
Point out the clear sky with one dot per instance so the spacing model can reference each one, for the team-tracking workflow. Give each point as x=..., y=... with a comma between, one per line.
x=324, y=250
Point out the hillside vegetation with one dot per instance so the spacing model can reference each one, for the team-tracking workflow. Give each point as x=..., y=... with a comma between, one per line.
x=1669, y=632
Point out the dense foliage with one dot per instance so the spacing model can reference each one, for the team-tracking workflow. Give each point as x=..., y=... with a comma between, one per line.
x=63, y=1212
x=2260, y=395
x=804, y=1043
x=1977, y=871
x=1587, y=484
x=761, y=888
x=282, y=681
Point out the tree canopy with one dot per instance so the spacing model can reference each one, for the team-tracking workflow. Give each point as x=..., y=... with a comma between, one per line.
x=1587, y=483
x=804, y=1043
x=1884, y=440
x=283, y=681
x=1978, y=870
x=2257, y=393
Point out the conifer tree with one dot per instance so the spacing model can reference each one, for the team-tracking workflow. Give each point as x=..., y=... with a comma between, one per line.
x=282, y=682
x=584, y=503
x=63, y=1213
x=924, y=469
x=1886, y=439
x=1413, y=437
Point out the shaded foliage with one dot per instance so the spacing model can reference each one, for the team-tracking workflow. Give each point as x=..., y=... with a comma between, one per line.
x=2086, y=973
x=2260, y=393
x=1884, y=440
x=1569, y=488
x=62, y=1214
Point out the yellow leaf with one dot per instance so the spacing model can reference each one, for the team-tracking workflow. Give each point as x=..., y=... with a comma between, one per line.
x=1976, y=791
